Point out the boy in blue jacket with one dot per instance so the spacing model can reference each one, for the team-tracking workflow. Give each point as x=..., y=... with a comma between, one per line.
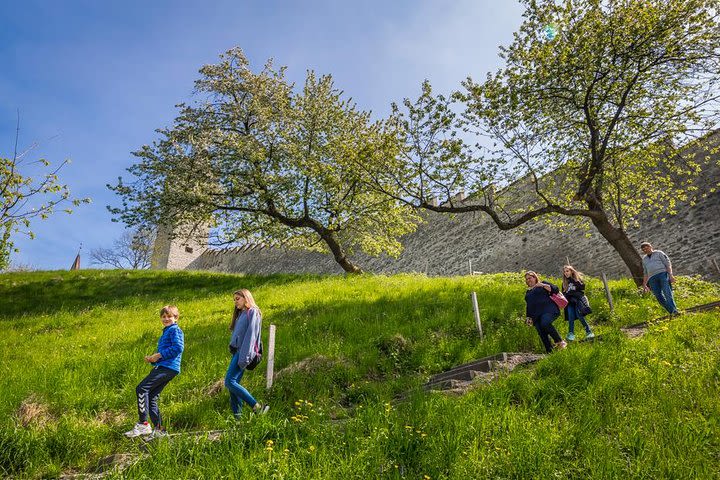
x=166, y=365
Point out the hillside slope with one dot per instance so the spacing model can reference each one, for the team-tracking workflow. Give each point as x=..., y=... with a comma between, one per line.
x=73, y=342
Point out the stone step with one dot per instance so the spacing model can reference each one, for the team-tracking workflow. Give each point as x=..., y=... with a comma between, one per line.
x=466, y=373
x=485, y=364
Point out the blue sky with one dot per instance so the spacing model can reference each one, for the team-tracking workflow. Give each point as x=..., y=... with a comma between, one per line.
x=94, y=79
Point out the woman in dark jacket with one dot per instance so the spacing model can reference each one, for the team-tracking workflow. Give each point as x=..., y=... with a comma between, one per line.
x=541, y=311
x=574, y=290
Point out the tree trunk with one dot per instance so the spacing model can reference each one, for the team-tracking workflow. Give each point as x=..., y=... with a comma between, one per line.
x=622, y=245
x=338, y=252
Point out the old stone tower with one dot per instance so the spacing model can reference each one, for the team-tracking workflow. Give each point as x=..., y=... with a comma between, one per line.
x=177, y=253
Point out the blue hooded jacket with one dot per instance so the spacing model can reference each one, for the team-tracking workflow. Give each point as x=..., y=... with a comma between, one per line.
x=171, y=345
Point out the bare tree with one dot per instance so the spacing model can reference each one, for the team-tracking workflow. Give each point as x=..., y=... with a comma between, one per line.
x=131, y=251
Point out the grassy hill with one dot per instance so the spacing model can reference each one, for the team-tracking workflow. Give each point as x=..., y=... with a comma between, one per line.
x=72, y=345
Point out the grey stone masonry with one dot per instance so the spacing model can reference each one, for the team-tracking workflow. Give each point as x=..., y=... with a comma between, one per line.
x=176, y=253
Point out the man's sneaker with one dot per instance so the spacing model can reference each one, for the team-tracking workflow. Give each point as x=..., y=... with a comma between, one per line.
x=139, y=429
x=261, y=408
x=561, y=345
x=590, y=335
x=159, y=433
x=570, y=337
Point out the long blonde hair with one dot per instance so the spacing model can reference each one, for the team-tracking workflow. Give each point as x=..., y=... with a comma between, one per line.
x=574, y=274
x=249, y=303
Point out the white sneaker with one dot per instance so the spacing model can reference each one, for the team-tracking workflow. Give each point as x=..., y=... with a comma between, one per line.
x=139, y=429
x=261, y=409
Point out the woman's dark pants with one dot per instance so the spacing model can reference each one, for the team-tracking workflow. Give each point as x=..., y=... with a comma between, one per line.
x=546, y=330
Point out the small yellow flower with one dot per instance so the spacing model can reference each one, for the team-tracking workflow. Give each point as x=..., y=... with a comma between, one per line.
x=408, y=427
x=311, y=448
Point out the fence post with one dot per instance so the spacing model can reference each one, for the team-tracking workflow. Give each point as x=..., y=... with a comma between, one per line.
x=470, y=264
x=607, y=292
x=716, y=266
x=271, y=358
x=476, y=310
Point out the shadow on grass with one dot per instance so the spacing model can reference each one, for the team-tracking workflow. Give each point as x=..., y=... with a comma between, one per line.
x=39, y=293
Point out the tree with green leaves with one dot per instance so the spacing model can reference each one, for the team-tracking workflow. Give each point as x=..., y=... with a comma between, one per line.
x=29, y=189
x=262, y=162
x=609, y=115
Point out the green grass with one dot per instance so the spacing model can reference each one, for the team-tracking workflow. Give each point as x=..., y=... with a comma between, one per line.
x=73, y=343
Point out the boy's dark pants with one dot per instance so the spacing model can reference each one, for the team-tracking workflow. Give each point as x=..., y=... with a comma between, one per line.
x=148, y=392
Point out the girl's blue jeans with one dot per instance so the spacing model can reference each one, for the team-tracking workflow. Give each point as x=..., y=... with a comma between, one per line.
x=574, y=314
x=238, y=393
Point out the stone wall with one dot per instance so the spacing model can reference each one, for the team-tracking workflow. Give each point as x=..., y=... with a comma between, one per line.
x=447, y=244
x=262, y=260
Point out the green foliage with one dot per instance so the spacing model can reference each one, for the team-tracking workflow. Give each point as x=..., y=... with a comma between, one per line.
x=72, y=352
x=266, y=163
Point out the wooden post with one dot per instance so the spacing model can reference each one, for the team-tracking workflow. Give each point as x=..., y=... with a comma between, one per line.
x=470, y=263
x=607, y=292
x=716, y=266
x=476, y=310
x=271, y=358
